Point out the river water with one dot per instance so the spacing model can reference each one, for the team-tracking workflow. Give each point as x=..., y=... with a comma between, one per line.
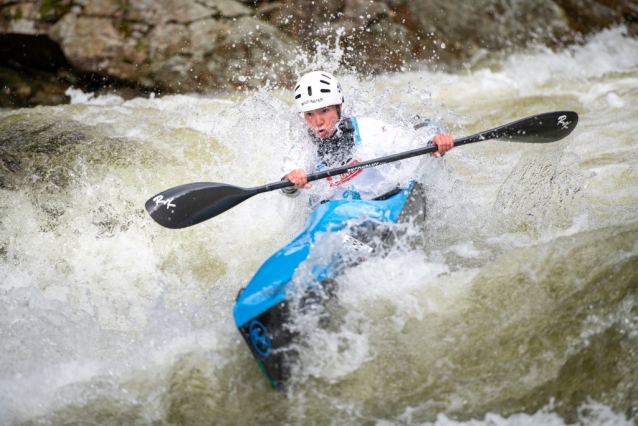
x=515, y=303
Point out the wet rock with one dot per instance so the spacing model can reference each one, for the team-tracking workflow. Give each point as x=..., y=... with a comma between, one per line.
x=161, y=12
x=38, y=149
x=368, y=32
x=101, y=8
x=303, y=19
x=452, y=32
x=387, y=45
x=173, y=46
x=219, y=54
x=388, y=35
x=94, y=45
x=41, y=93
x=586, y=16
x=363, y=11
x=252, y=48
x=20, y=18
x=268, y=9
x=26, y=147
x=227, y=9
x=40, y=63
x=205, y=46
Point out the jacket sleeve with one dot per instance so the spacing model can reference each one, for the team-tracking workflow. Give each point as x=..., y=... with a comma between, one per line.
x=298, y=157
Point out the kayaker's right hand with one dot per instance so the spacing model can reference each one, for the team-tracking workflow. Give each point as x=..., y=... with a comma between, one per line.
x=299, y=178
x=445, y=143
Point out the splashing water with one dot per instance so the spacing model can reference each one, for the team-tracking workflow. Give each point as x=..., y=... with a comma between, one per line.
x=515, y=303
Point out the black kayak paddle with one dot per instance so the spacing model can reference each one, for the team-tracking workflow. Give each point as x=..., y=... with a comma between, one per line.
x=192, y=203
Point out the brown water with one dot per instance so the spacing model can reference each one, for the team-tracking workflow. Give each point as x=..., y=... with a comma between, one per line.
x=516, y=303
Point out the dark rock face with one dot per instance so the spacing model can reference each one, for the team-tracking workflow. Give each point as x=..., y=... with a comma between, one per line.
x=172, y=46
x=32, y=71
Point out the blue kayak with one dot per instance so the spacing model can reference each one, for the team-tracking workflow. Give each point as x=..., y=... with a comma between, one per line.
x=263, y=307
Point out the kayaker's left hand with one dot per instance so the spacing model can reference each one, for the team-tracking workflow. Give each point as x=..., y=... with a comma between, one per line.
x=445, y=143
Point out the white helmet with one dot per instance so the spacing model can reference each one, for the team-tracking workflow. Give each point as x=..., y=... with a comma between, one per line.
x=317, y=89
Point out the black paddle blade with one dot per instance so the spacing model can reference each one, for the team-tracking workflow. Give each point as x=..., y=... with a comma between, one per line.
x=541, y=128
x=189, y=204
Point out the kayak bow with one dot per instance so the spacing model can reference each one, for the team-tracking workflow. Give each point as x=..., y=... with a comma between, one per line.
x=263, y=308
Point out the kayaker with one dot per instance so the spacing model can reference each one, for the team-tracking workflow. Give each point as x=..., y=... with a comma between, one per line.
x=339, y=140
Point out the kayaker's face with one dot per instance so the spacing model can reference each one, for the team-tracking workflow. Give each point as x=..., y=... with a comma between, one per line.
x=323, y=121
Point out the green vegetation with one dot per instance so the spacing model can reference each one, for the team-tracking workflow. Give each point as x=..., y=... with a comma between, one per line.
x=124, y=5
x=17, y=15
x=53, y=10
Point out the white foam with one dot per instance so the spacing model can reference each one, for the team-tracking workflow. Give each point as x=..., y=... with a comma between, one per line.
x=124, y=301
x=79, y=97
x=591, y=413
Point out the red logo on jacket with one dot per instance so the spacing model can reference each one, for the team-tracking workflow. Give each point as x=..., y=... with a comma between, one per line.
x=341, y=179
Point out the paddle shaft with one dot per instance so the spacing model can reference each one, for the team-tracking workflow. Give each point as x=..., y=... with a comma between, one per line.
x=552, y=126
x=369, y=163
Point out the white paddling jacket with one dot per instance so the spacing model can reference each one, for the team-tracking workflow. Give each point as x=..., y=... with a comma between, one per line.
x=371, y=137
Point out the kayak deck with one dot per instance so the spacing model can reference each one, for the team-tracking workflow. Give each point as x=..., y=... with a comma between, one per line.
x=263, y=308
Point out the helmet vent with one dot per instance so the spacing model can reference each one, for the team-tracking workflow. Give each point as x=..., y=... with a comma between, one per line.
x=325, y=90
x=325, y=82
x=297, y=88
x=309, y=90
x=298, y=96
x=328, y=77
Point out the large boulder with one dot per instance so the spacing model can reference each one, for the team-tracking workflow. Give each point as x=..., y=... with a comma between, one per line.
x=452, y=31
x=392, y=34
x=370, y=34
x=173, y=46
x=164, y=46
x=220, y=55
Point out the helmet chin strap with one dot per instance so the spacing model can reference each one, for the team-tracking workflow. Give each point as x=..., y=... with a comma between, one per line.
x=338, y=111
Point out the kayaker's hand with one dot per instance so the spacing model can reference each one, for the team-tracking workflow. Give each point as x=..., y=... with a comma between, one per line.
x=444, y=141
x=299, y=178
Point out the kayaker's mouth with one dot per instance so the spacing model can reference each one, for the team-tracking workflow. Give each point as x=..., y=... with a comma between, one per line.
x=323, y=132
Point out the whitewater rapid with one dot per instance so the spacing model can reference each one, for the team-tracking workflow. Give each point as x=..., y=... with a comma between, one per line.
x=516, y=303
